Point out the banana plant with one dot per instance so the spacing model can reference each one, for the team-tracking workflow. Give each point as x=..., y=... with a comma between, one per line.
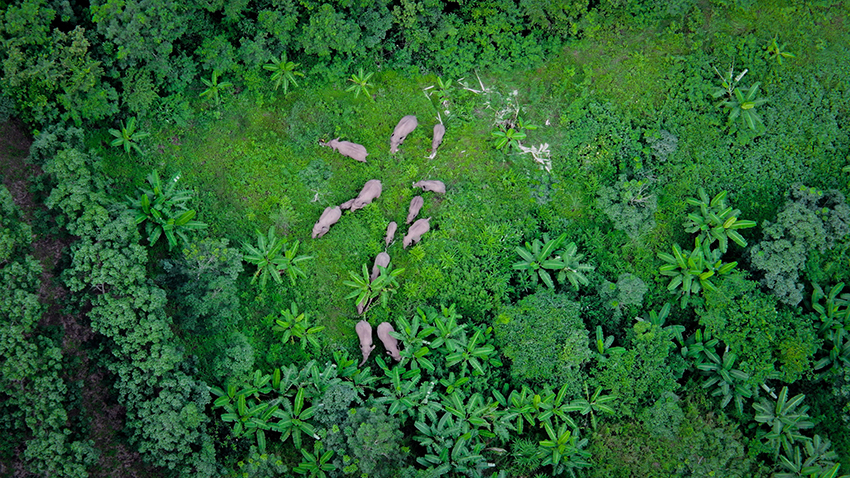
x=693, y=272
x=269, y=260
x=784, y=419
x=128, y=137
x=660, y=318
x=835, y=324
x=602, y=346
x=365, y=292
x=731, y=383
x=778, y=52
x=214, y=88
x=250, y=415
x=163, y=209
x=400, y=394
x=293, y=420
x=700, y=348
x=507, y=137
x=743, y=104
x=361, y=83
x=523, y=405
x=819, y=459
x=449, y=335
x=538, y=261
x=453, y=383
x=436, y=435
x=593, y=404
x=716, y=221
x=315, y=464
x=283, y=72
x=460, y=458
x=563, y=450
x=297, y=326
x=474, y=355
x=556, y=406
x=473, y=415
x=414, y=336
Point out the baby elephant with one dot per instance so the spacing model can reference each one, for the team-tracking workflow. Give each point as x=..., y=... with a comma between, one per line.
x=382, y=260
x=439, y=132
x=415, y=205
x=414, y=234
x=433, y=186
x=371, y=190
x=391, y=228
x=349, y=149
x=390, y=342
x=328, y=219
x=402, y=129
x=364, y=332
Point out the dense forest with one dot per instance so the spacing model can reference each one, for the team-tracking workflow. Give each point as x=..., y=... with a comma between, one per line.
x=626, y=257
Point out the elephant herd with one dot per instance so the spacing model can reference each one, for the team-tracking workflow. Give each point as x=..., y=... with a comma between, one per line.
x=371, y=191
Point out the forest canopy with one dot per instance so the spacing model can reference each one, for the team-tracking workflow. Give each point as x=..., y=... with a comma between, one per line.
x=416, y=238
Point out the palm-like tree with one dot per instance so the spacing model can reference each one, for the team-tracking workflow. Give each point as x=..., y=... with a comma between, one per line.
x=475, y=353
x=744, y=105
x=295, y=325
x=163, y=209
x=365, y=291
x=361, y=83
x=414, y=337
x=214, y=87
x=315, y=464
x=293, y=420
x=784, y=419
x=283, y=72
x=128, y=137
x=269, y=260
x=731, y=383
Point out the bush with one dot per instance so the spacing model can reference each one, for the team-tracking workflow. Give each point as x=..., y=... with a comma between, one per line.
x=546, y=340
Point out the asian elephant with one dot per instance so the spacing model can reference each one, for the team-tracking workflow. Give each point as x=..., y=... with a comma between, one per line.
x=414, y=234
x=390, y=342
x=439, y=132
x=371, y=190
x=415, y=205
x=402, y=129
x=329, y=217
x=381, y=260
x=391, y=228
x=433, y=186
x=364, y=333
x=347, y=148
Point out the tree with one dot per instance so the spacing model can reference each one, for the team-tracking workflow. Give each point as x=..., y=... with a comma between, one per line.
x=128, y=137
x=694, y=271
x=316, y=463
x=283, y=72
x=744, y=105
x=539, y=258
x=731, y=383
x=563, y=450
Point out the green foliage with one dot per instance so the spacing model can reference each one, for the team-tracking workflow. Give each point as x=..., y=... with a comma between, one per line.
x=716, y=221
x=163, y=209
x=365, y=291
x=128, y=137
x=835, y=322
x=269, y=260
x=361, y=83
x=297, y=326
x=784, y=419
x=777, y=52
x=214, y=88
x=509, y=138
x=694, y=271
x=545, y=339
x=740, y=101
x=630, y=205
x=315, y=464
x=819, y=461
x=731, y=383
x=542, y=257
x=641, y=374
x=283, y=72
x=810, y=220
x=563, y=450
